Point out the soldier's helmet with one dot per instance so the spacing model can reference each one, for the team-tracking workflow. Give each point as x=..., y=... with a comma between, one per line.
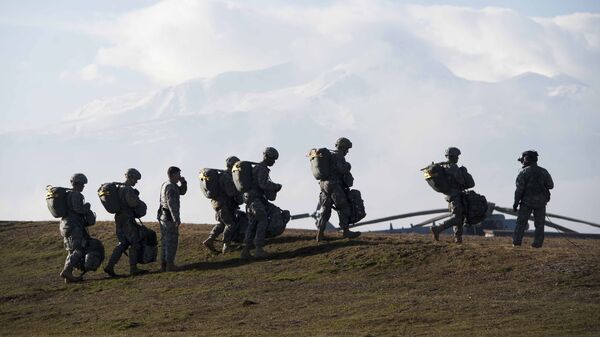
x=452, y=151
x=343, y=144
x=531, y=154
x=271, y=152
x=133, y=173
x=79, y=178
x=230, y=161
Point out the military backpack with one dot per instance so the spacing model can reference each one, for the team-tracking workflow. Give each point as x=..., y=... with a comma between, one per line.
x=110, y=197
x=320, y=163
x=242, y=175
x=436, y=177
x=358, y=206
x=476, y=207
x=209, y=182
x=94, y=255
x=56, y=199
x=148, y=245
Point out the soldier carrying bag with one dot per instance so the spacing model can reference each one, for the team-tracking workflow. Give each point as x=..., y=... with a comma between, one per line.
x=320, y=163
x=56, y=200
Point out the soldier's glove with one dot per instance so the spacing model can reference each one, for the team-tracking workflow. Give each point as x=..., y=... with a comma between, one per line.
x=516, y=206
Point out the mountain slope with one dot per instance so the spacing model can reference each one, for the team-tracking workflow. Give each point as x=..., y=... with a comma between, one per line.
x=380, y=285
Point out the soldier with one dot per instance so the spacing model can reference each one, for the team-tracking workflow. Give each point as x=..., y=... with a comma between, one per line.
x=459, y=180
x=531, y=196
x=256, y=204
x=126, y=227
x=334, y=191
x=169, y=218
x=72, y=228
x=225, y=207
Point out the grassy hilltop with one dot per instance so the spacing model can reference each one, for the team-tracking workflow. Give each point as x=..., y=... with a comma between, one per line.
x=378, y=285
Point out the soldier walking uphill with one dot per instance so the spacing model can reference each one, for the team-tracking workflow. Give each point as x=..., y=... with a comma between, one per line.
x=169, y=218
x=256, y=201
x=72, y=227
x=225, y=205
x=458, y=180
x=334, y=191
x=531, y=196
x=126, y=227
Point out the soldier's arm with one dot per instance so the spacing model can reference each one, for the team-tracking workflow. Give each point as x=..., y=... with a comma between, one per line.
x=263, y=181
x=78, y=203
x=183, y=188
x=341, y=165
x=520, y=183
x=173, y=203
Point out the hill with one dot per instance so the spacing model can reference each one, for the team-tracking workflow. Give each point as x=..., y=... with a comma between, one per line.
x=378, y=285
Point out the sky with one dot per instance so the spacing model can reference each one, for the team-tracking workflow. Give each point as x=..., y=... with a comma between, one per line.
x=506, y=75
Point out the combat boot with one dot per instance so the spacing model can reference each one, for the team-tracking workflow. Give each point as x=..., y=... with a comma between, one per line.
x=172, y=267
x=210, y=244
x=245, y=255
x=135, y=271
x=458, y=239
x=260, y=253
x=348, y=234
x=163, y=266
x=110, y=270
x=435, y=231
x=67, y=274
x=320, y=235
x=536, y=245
x=227, y=248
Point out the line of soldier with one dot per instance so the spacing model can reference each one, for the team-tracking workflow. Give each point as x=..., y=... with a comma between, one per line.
x=252, y=227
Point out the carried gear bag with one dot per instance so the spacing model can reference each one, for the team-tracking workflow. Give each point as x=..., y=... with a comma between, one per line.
x=110, y=197
x=475, y=207
x=56, y=199
x=94, y=255
x=320, y=163
x=148, y=245
x=435, y=175
x=277, y=221
x=140, y=210
x=469, y=181
x=209, y=182
x=358, y=206
x=242, y=175
x=89, y=218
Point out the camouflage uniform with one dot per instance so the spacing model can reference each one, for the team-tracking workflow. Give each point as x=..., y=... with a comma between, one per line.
x=225, y=207
x=532, y=194
x=127, y=229
x=72, y=229
x=334, y=192
x=170, y=219
x=257, y=205
x=457, y=183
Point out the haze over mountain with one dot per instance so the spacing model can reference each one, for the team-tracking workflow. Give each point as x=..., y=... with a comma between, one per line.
x=396, y=80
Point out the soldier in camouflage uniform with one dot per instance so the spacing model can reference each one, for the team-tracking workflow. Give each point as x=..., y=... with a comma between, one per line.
x=531, y=196
x=169, y=217
x=226, y=207
x=334, y=191
x=126, y=227
x=459, y=180
x=256, y=204
x=72, y=228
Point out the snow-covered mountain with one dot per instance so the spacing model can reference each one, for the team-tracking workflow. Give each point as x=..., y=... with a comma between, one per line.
x=399, y=118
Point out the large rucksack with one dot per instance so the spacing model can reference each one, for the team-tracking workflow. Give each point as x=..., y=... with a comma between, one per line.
x=320, y=163
x=243, y=176
x=475, y=207
x=277, y=221
x=110, y=197
x=148, y=245
x=209, y=182
x=435, y=175
x=56, y=199
x=94, y=255
x=140, y=210
x=469, y=181
x=358, y=206
x=89, y=218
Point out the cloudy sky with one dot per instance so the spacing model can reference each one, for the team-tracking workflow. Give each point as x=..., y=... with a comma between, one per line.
x=404, y=79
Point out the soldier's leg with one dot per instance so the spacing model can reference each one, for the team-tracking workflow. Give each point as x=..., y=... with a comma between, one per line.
x=228, y=217
x=121, y=247
x=250, y=233
x=171, y=244
x=74, y=242
x=344, y=210
x=132, y=234
x=539, y=217
x=325, y=204
x=260, y=216
x=521, y=224
x=163, y=244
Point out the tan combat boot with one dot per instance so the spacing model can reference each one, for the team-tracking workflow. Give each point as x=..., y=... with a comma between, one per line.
x=227, y=248
x=348, y=234
x=210, y=244
x=67, y=274
x=245, y=255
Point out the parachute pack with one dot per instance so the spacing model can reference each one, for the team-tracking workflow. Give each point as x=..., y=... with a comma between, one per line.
x=110, y=197
x=320, y=163
x=94, y=255
x=209, y=182
x=358, y=206
x=148, y=245
x=277, y=221
x=56, y=199
x=242, y=175
x=435, y=175
x=140, y=210
x=475, y=207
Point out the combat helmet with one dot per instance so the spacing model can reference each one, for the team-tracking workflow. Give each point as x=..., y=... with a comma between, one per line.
x=271, y=152
x=343, y=143
x=133, y=173
x=452, y=151
x=79, y=178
